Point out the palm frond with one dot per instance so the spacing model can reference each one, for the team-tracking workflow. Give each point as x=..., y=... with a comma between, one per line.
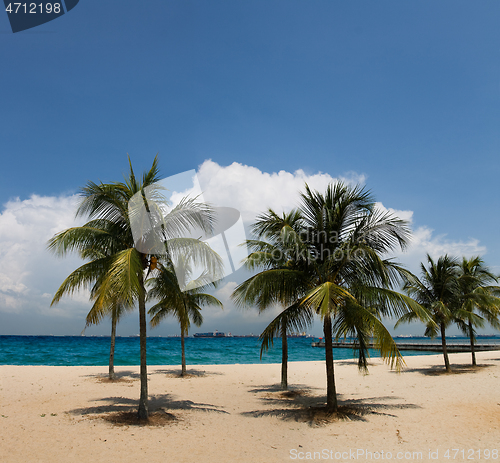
x=294, y=318
x=270, y=287
x=325, y=299
x=81, y=278
x=124, y=278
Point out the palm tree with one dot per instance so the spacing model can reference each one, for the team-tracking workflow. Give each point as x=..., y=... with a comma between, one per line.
x=182, y=300
x=115, y=313
x=95, y=315
x=344, y=277
x=352, y=283
x=479, y=299
x=275, y=251
x=439, y=292
x=118, y=264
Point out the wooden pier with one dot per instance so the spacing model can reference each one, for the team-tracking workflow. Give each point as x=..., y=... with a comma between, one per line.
x=431, y=347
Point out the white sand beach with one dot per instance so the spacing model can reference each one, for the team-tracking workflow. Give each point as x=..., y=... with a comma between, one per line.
x=236, y=413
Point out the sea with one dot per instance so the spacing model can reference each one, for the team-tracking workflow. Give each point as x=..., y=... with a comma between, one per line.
x=94, y=350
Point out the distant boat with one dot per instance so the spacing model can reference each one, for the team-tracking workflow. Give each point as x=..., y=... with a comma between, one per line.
x=299, y=335
x=213, y=334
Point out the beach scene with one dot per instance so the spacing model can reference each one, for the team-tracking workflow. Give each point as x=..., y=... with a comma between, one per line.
x=249, y=231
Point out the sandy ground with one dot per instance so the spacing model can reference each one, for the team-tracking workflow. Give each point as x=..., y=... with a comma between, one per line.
x=236, y=413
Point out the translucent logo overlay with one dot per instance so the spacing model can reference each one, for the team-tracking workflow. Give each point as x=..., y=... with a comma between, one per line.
x=201, y=241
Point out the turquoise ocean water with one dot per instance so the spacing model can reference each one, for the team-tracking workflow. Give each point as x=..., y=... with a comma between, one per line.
x=88, y=350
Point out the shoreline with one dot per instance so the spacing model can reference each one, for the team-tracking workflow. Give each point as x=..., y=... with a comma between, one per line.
x=236, y=412
x=373, y=361
x=167, y=351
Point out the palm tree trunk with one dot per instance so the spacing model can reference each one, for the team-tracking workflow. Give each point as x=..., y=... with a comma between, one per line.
x=143, y=412
x=183, y=371
x=112, y=375
x=445, y=351
x=472, y=349
x=331, y=393
x=284, y=358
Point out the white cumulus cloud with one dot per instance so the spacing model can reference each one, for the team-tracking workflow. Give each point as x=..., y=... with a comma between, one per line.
x=252, y=191
x=27, y=269
x=30, y=275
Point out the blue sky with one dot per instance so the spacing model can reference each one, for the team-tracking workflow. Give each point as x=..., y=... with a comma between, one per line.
x=404, y=95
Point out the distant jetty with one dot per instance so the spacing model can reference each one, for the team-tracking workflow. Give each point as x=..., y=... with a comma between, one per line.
x=424, y=347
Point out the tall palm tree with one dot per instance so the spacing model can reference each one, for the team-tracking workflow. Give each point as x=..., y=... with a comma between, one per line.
x=275, y=251
x=345, y=278
x=479, y=299
x=183, y=300
x=439, y=292
x=119, y=273
x=352, y=281
x=116, y=311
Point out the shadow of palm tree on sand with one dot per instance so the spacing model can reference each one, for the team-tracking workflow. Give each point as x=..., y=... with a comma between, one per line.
x=123, y=411
x=190, y=373
x=299, y=405
x=437, y=370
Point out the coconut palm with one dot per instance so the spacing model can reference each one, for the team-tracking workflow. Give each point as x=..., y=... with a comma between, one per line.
x=181, y=299
x=352, y=283
x=479, y=299
x=115, y=313
x=275, y=252
x=343, y=275
x=438, y=291
x=118, y=264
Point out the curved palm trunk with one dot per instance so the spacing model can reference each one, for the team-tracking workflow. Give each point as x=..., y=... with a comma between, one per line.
x=183, y=371
x=284, y=358
x=472, y=348
x=331, y=393
x=143, y=412
x=112, y=375
x=445, y=350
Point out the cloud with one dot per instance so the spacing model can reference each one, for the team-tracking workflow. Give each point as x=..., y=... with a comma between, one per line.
x=404, y=215
x=252, y=191
x=438, y=245
x=30, y=275
x=423, y=242
x=27, y=270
